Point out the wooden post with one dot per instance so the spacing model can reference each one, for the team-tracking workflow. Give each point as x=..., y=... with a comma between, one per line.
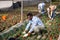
x=21, y=11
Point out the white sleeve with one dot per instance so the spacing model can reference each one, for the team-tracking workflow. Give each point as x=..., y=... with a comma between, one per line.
x=33, y=26
x=38, y=6
x=28, y=25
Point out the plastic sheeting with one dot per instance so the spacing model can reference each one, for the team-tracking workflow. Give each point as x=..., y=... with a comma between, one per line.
x=5, y=4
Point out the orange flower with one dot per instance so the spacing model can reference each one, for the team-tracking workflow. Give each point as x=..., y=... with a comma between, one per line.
x=4, y=17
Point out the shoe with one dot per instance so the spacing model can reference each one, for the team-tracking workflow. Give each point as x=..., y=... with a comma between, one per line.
x=33, y=33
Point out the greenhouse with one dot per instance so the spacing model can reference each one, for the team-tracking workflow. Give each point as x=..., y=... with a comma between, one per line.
x=14, y=20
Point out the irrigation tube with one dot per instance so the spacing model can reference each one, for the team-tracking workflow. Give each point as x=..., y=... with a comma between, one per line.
x=11, y=28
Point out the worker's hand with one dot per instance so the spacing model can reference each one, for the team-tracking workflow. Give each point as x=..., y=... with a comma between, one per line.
x=24, y=32
x=25, y=35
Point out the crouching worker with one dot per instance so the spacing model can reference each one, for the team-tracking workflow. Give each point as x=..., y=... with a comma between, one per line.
x=35, y=24
x=51, y=11
x=41, y=7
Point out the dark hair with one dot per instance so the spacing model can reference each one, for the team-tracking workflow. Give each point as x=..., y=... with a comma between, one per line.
x=29, y=14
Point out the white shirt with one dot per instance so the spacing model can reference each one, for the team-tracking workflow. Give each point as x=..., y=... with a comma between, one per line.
x=41, y=5
x=35, y=21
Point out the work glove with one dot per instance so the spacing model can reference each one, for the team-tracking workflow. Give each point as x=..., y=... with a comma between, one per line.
x=26, y=35
x=24, y=32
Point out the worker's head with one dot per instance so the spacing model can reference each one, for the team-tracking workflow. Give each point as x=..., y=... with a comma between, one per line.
x=52, y=7
x=29, y=16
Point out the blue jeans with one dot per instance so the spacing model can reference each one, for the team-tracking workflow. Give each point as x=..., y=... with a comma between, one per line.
x=42, y=11
x=53, y=14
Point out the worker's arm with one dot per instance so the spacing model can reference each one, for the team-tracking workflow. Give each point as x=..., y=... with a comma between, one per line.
x=28, y=25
